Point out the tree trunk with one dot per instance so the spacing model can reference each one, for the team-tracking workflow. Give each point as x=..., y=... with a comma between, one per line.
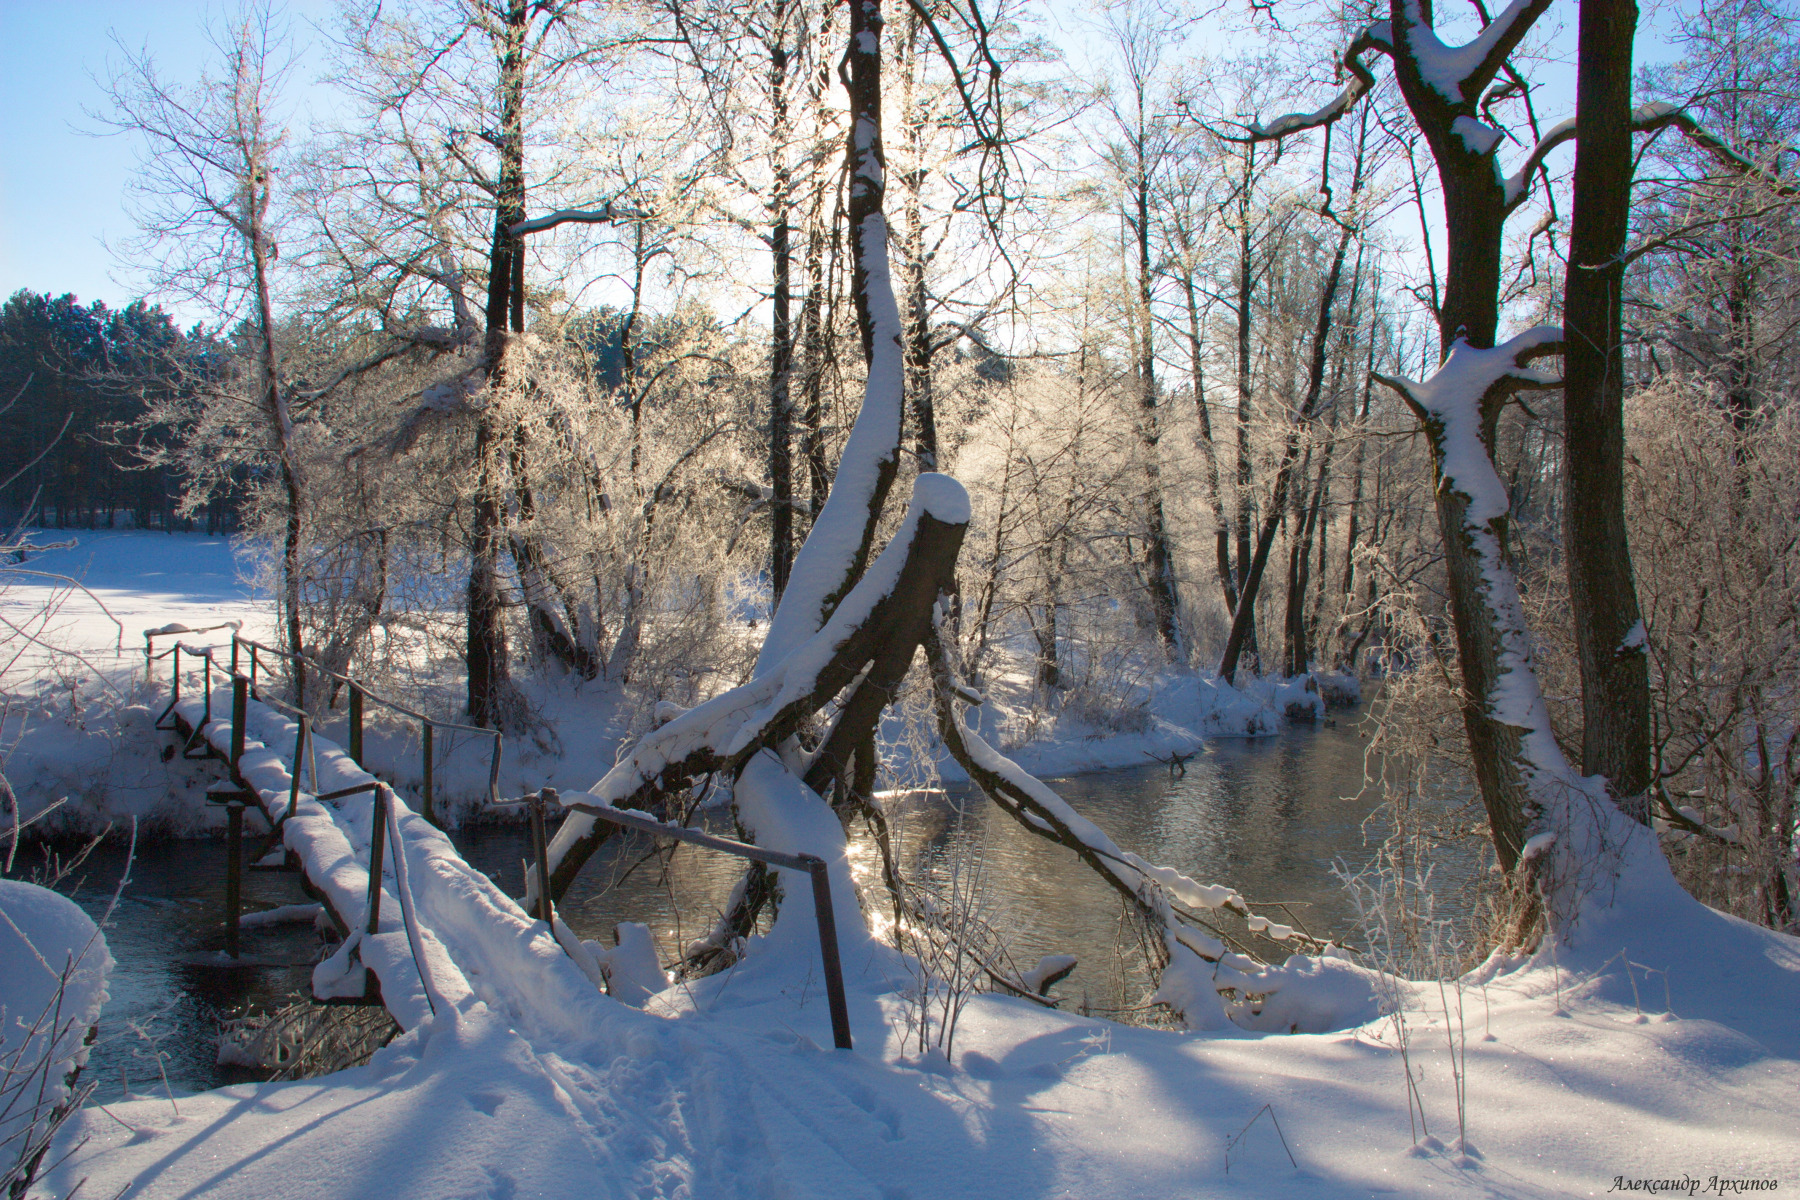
x=781, y=343
x=1615, y=689
x=912, y=255
x=489, y=673
x=1209, y=451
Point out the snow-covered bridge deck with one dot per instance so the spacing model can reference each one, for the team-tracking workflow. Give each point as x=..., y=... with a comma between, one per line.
x=444, y=930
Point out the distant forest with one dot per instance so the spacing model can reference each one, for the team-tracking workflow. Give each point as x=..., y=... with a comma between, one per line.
x=75, y=379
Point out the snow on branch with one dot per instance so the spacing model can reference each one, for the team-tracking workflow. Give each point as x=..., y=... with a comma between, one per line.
x=607, y=214
x=1460, y=397
x=1374, y=37
x=1461, y=73
x=1518, y=185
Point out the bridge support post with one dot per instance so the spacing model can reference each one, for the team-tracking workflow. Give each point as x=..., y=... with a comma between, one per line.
x=426, y=755
x=377, y=850
x=234, y=872
x=540, y=848
x=356, y=724
x=239, y=713
x=294, y=779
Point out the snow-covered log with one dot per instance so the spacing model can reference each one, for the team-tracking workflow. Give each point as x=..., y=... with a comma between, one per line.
x=1193, y=959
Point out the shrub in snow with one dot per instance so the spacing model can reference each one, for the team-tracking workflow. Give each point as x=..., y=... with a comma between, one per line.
x=53, y=970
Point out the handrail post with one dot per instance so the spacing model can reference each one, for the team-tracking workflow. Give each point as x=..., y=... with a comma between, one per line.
x=234, y=872
x=828, y=950
x=377, y=847
x=540, y=848
x=494, y=772
x=175, y=677
x=234, y=652
x=253, y=694
x=240, y=713
x=149, y=656
x=356, y=723
x=294, y=781
x=425, y=756
x=206, y=715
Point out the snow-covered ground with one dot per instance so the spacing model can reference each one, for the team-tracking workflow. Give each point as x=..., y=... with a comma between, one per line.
x=1661, y=1046
x=725, y=1091
x=75, y=716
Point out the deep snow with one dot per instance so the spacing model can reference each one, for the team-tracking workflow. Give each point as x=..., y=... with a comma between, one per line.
x=1662, y=1041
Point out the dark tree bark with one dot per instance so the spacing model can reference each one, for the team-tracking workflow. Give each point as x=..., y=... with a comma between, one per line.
x=1243, y=480
x=1159, y=559
x=1615, y=687
x=489, y=673
x=280, y=422
x=913, y=255
x=781, y=344
x=1243, y=621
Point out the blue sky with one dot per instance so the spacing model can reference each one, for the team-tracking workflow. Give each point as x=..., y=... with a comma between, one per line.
x=59, y=186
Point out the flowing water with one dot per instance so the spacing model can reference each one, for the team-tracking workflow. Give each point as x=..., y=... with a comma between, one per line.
x=1272, y=818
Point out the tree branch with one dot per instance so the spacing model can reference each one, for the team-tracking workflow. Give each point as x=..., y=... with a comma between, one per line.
x=1374, y=37
x=606, y=214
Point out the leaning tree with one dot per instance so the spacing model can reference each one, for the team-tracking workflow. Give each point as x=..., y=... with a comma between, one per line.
x=1526, y=786
x=797, y=742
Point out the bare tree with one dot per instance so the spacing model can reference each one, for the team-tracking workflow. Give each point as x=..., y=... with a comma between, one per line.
x=205, y=200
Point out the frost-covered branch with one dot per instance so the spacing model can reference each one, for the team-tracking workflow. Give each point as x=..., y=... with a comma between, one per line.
x=1647, y=118
x=1196, y=963
x=1651, y=118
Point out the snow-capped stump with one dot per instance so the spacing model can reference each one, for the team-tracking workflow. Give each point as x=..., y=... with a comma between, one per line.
x=53, y=971
x=632, y=970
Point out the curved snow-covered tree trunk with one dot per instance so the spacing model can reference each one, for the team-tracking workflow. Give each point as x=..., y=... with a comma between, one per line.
x=1563, y=827
x=837, y=548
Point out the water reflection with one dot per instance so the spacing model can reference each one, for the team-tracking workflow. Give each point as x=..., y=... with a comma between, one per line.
x=171, y=987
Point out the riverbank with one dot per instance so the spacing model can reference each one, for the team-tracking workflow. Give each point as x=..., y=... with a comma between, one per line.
x=76, y=725
x=724, y=1091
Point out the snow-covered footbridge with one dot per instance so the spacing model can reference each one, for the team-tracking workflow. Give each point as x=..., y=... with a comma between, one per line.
x=423, y=931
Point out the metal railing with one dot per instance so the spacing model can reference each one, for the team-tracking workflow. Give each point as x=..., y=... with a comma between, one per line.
x=813, y=865
x=359, y=697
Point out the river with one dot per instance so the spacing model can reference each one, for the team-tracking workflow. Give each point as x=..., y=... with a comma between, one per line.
x=1272, y=818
